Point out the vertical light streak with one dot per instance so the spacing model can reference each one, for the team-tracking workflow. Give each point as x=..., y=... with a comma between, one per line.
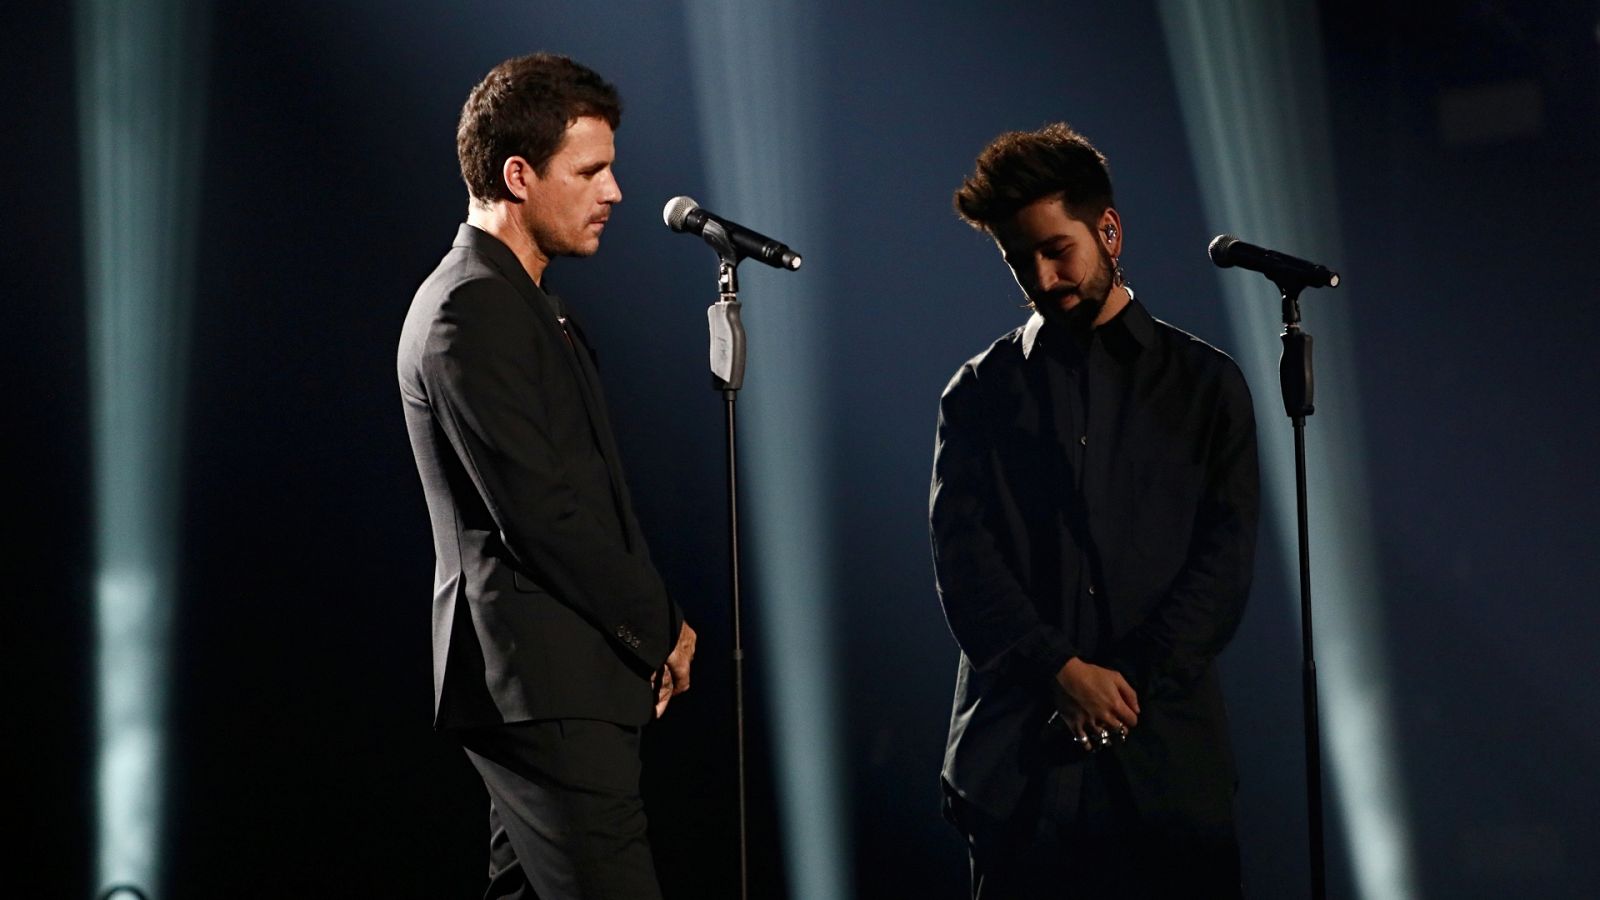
x=140, y=72
x=1250, y=79
x=753, y=70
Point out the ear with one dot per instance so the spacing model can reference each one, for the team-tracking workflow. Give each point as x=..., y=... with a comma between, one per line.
x=518, y=176
x=1109, y=231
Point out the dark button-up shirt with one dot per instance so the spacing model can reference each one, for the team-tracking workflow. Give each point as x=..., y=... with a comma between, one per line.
x=1093, y=496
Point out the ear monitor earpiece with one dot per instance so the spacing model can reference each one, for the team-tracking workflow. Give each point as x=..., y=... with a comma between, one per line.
x=1111, y=232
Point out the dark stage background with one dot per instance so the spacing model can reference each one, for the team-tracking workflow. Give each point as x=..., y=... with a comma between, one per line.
x=301, y=761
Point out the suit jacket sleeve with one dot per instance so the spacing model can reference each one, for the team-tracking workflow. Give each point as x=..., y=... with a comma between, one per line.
x=481, y=371
x=1186, y=630
x=993, y=619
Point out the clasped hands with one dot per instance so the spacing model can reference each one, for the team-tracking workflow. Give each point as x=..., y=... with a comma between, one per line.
x=673, y=679
x=1095, y=704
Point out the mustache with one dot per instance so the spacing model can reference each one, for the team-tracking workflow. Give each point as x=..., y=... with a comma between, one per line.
x=1059, y=292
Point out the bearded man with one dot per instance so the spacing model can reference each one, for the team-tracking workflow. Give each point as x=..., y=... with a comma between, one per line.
x=1093, y=514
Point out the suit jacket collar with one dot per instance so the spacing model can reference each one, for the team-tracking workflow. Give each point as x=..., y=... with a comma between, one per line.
x=473, y=238
x=545, y=304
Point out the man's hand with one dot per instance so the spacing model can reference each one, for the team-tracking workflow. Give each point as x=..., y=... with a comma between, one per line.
x=673, y=679
x=1093, y=699
x=663, y=686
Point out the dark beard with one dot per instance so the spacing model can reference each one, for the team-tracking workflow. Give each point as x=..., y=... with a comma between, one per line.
x=1081, y=316
x=1092, y=295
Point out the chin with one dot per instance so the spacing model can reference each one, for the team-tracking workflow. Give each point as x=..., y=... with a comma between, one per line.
x=1068, y=312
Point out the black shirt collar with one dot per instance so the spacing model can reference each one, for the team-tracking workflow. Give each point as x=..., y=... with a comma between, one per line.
x=1125, y=336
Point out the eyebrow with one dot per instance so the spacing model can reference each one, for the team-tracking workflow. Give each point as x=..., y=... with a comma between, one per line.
x=1043, y=242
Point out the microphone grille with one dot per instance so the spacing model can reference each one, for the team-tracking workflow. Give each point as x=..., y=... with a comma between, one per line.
x=676, y=210
x=1220, y=248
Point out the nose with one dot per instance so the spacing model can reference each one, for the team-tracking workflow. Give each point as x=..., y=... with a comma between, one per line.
x=1044, y=275
x=612, y=193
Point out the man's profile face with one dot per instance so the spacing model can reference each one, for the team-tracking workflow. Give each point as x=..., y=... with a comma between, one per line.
x=1058, y=261
x=567, y=207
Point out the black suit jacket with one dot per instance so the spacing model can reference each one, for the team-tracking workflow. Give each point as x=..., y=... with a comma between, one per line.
x=1169, y=509
x=545, y=602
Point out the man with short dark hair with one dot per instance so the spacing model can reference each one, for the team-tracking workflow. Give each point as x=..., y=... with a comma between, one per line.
x=554, y=641
x=1093, y=514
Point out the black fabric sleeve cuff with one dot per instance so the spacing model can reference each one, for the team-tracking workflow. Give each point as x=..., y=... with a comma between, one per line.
x=1040, y=653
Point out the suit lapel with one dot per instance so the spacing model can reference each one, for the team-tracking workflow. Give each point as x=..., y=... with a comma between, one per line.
x=599, y=419
x=547, y=311
x=568, y=337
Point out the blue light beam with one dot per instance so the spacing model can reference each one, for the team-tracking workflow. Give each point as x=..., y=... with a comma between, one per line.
x=140, y=77
x=759, y=125
x=1250, y=82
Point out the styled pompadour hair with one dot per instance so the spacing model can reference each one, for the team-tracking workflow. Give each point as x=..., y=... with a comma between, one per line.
x=1021, y=167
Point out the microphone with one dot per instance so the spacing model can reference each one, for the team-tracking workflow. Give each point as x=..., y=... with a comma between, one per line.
x=683, y=214
x=1228, y=251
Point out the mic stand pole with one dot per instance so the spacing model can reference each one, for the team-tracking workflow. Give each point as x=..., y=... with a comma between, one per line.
x=1295, y=378
x=727, y=375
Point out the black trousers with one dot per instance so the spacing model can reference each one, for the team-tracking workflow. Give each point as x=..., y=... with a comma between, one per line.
x=1080, y=835
x=565, y=818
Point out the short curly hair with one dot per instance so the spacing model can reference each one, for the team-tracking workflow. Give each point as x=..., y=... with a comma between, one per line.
x=1021, y=167
x=522, y=108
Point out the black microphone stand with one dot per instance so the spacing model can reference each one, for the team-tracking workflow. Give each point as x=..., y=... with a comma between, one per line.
x=1295, y=378
x=727, y=376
